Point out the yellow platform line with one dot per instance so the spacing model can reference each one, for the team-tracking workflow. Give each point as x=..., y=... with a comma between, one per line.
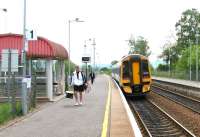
x=106, y=115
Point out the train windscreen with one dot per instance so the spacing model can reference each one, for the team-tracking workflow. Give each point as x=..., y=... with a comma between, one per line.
x=145, y=68
x=125, y=70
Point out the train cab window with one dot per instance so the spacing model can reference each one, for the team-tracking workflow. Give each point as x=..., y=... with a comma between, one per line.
x=145, y=68
x=125, y=69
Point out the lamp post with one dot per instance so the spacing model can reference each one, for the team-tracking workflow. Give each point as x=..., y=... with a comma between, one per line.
x=169, y=47
x=197, y=51
x=86, y=54
x=93, y=44
x=23, y=61
x=94, y=53
x=5, y=11
x=190, y=60
x=69, y=65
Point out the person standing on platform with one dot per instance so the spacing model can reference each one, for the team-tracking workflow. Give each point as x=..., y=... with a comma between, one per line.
x=78, y=81
x=92, y=76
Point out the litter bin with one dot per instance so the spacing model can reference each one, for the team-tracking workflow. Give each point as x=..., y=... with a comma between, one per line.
x=55, y=88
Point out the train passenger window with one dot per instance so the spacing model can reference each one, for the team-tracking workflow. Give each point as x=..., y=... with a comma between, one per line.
x=125, y=69
x=145, y=68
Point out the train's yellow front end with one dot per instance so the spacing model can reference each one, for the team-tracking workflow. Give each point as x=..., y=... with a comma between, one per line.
x=135, y=75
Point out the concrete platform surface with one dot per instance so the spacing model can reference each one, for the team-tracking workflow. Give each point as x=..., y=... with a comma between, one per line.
x=120, y=125
x=63, y=119
x=179, y=81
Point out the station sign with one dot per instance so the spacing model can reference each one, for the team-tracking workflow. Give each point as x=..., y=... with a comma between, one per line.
x=86, y=59
x=31, y=35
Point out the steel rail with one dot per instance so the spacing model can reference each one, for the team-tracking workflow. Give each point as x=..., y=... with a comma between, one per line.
x=188, y=102
x=158, y=122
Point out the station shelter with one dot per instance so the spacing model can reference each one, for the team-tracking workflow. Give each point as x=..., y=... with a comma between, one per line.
x=44, y=58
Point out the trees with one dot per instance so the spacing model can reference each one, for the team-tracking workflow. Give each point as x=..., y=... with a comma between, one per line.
x=170, y=54
x=183, y=63
x=186, y=29
x=140, y=46
x=72, y=67
x=182, y=55
x=105, y=70
x=114, y=62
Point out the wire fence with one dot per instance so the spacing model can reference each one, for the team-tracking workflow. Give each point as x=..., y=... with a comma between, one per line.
x=185, y=75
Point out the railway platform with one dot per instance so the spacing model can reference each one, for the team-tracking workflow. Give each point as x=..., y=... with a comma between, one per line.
x=102, y=115
x=194, y=84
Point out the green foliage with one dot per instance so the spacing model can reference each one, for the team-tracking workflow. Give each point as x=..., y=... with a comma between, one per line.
x=18, y=109
x=5, y=112
x=89, y=68
x=140, y=46
x=105, y=70
x=114, y=62
x=183, y=62
x=169, y=53
x=151, y=67
x=186, y=29
x=177, y=54
x=163, y=67
x=72, y=67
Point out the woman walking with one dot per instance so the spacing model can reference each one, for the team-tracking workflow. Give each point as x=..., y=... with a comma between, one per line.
x=78, y=81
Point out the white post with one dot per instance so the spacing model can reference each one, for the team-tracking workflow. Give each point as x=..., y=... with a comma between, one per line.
x=93, y=54
x=197, y=58
x=63, y=76
x=23, y=61
x=69, y=54
x=49, y=80
x=29, y=67
x=190, y=62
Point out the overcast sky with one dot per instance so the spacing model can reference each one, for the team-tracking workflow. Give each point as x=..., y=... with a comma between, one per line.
x=110, y=22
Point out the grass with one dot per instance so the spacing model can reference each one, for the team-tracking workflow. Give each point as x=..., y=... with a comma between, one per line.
x=6, y=114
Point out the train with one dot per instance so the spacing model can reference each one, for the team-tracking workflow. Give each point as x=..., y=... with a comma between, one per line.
x=132, y=73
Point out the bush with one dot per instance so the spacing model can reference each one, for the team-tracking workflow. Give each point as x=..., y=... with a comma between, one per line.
x=6, y=114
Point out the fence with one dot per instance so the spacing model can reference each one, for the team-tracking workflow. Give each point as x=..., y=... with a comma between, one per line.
x=185, y=75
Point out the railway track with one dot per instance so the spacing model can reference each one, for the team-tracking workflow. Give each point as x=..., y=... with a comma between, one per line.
x=188, y=102
x=155, y=122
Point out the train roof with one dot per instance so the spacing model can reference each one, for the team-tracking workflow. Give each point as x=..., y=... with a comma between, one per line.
x=134, y=57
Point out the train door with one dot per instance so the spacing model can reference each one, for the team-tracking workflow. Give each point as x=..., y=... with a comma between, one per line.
x=125, y=72
x=145, y=69
x=136, y=73
x=125, y=75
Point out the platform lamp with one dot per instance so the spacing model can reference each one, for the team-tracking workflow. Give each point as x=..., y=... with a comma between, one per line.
x=4, y=10
x=23, y=63
x=69, y=65
x=94, y=43
x=94, y=48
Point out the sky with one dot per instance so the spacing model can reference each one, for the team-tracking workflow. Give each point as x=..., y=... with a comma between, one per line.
x=110, y=22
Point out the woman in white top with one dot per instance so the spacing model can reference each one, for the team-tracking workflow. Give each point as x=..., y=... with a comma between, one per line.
x=78, y=83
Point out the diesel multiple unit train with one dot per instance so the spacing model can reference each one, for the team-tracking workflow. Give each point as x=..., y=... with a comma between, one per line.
x=133, y=74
